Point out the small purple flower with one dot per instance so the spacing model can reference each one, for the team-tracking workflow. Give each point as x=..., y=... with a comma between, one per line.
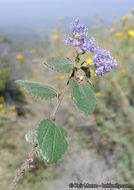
x=77, y=21
x=113, y=63
x=80, y=33
x=68, y=40
x=81, y=50
x=76, y=43
x=90, y=45
x=100, y=71
x=103, y=61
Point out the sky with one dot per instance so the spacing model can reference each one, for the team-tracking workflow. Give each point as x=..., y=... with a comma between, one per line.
x=39, y=13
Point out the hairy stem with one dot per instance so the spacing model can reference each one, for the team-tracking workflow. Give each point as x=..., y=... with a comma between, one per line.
x=52, y=116
x=30, y=159
x=77, y=59
x=23, y=168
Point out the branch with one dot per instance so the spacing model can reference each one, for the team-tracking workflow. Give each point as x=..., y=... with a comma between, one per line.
x=28, y=161
x=23, y=168
x=61, y=96
x=52, y=116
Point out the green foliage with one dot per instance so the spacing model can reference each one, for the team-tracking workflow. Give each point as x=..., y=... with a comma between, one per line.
x=51, y=140
x=49, y=136
x=60, y=64
x=108, y=125
x=38, y=90
x=82, y=96
x=4, y=74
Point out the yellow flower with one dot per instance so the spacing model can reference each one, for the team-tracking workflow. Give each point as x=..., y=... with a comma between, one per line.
x=116, y=57
x=3, y=111
x=55, y=36
x=89, y=61
x=35, y=60
x=87, y=52
x=32, y=79
x=127, y=16
x=92, y=73
x=112, y=30
x=62, y=77
x=59, y=18
x=124, y=37
x=1, y=106
x=107, y=75
x=33, y=51
x=131, y=33
x=29, y=95
x=132, y=9
x=1, y=98
x=97, y=94
x=124, y=18
x=123, y=71
x=118, y=34
x=57, y=53
x=100, y=19
x=20, y=57
x=12, y=108
x=55, y=85
x=69, y=55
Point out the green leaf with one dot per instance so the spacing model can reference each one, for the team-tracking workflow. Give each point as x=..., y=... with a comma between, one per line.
x=37, y=89
x=82, y=96
x=51, y=140
x=60, y=64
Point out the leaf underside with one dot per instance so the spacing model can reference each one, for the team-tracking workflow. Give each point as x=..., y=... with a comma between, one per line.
x=31, y=136
x=51, y=140
x=82, y=96
x=60, y=64
x=38, y=90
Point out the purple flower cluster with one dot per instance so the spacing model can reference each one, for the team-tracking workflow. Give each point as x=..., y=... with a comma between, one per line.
x=80, y=33
x=101, y=59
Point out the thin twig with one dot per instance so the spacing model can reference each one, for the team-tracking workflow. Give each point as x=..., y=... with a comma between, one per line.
x=27, y=162
x=23, y=168
x=52, y=115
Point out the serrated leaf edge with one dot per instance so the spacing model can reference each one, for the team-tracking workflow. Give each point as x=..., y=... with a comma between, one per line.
x=39, y=149
x=45, y=62
x=50, y=97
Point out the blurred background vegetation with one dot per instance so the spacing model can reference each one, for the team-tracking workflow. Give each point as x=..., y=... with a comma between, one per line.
x=100, y=145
